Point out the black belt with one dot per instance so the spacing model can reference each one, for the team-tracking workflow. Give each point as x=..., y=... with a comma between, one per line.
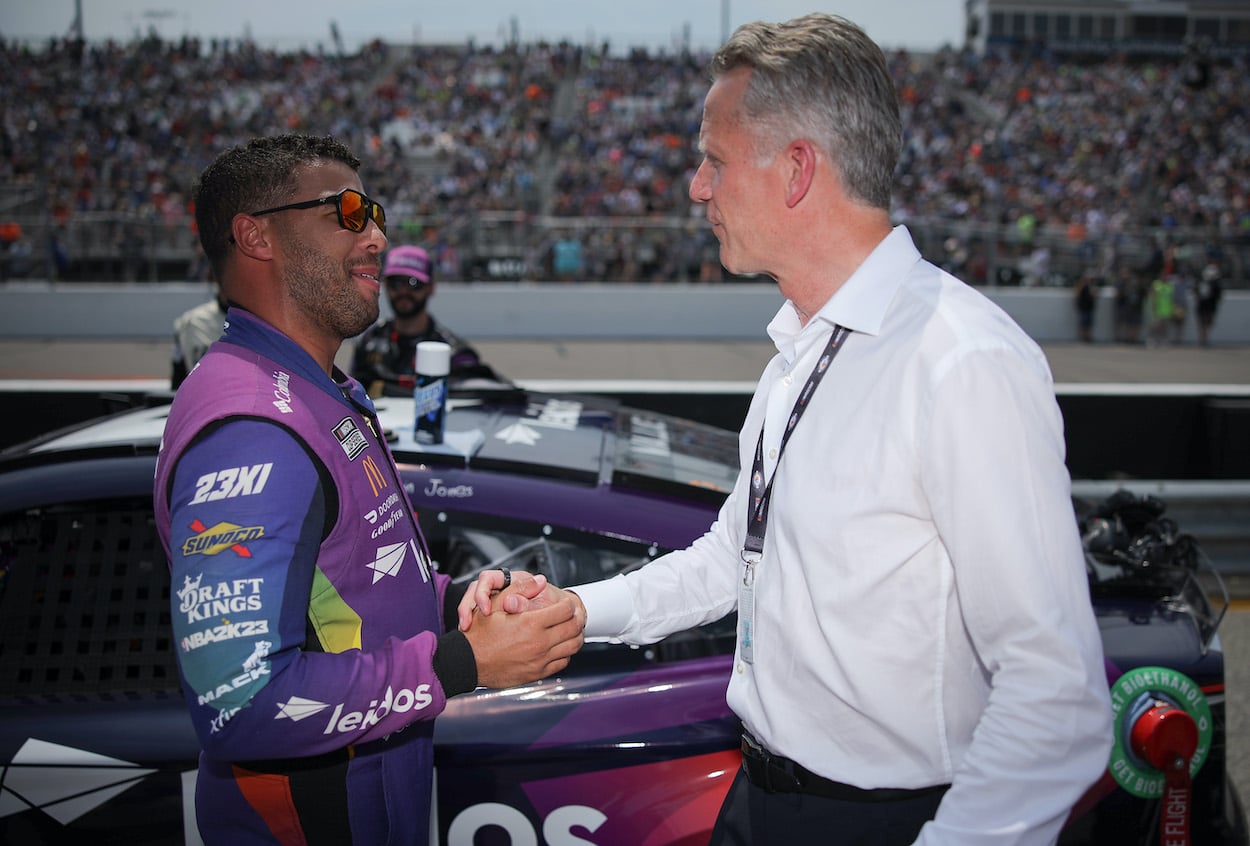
x=776, y=774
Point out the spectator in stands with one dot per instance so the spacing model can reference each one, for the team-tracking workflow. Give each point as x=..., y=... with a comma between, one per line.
x=1085, y=293
x=1129, y=300
x=1207, y=296
x=194, y=332
x=385, y=356
x=1161, y=303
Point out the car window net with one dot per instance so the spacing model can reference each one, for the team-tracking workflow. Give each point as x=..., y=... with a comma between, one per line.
x=84, y=604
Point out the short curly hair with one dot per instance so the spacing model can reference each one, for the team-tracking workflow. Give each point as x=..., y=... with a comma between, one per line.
x=251, y=176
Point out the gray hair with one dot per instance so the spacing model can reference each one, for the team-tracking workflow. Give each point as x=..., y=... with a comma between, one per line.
x=822, y=78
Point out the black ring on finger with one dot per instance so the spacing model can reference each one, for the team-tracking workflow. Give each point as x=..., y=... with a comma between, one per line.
x=507, y=577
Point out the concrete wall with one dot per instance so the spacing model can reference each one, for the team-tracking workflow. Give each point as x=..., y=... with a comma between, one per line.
x=528, y=311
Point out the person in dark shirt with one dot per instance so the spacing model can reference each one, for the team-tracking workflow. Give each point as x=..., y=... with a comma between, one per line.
x=385, y=357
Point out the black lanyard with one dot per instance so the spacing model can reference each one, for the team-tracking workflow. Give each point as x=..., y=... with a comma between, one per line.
x=761, y=493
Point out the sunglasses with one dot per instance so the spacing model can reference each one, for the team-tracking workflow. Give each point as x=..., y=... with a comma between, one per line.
x=354, y=209
x=399, y=283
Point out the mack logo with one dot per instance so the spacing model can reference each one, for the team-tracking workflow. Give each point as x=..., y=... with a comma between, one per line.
x=350, y=438
x=253, y=668
x=282, y=392
x=231, y=482
x=219, y=538
x=298, y=708
x=417, y=699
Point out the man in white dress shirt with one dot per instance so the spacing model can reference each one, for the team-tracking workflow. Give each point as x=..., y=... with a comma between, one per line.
x=917, y=657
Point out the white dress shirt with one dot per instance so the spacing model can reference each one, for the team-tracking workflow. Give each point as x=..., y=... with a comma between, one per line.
x=922, y=614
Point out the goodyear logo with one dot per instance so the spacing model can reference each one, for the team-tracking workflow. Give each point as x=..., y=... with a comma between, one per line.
x=219, y=538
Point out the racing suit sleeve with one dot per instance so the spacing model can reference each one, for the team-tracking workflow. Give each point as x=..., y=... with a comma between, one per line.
x=248, y=512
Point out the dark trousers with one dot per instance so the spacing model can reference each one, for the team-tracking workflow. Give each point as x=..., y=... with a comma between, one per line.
x=751, y=816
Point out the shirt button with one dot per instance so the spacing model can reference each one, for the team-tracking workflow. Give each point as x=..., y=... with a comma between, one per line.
x=788, y=380
x=740, y=668
x=772, y=453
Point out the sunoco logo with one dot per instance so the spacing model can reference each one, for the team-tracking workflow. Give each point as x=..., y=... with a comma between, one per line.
x=219, y=538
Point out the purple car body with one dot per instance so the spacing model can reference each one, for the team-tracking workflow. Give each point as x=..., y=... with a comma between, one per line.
x=628, y=746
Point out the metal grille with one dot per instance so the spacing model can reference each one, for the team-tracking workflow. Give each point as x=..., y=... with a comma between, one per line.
x=84, y=604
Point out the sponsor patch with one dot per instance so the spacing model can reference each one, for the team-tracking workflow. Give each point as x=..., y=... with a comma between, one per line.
x=233, y=596
x=282, y=392
x=377, y=481
x=220, y=537
x=350, y=438
x=231, y=482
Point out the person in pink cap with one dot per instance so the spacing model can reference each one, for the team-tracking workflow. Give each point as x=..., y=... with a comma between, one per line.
x=385, y=354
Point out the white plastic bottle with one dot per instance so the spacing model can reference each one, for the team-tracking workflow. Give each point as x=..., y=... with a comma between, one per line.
x=430, y=393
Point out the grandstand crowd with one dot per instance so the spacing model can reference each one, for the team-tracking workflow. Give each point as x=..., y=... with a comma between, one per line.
x=570, y=162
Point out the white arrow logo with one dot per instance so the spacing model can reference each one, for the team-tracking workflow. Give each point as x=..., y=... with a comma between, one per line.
x=62, y=781
x=519, y=433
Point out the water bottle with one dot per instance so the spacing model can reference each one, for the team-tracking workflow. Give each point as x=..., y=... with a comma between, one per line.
x=430, y=393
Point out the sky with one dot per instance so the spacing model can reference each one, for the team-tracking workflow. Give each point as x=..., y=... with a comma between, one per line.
x=294, y=24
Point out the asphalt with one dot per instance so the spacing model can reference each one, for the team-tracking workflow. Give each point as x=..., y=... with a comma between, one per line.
x=732, y=361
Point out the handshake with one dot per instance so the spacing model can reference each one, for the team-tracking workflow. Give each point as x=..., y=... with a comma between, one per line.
x=521, y=627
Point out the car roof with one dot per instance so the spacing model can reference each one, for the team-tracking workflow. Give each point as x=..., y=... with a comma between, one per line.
x=577, y=438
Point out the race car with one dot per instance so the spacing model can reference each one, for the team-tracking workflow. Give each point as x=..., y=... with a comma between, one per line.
x=628, y=745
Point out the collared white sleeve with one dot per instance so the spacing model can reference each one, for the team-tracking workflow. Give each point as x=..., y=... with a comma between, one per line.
x=993, y=473
x=676, y=591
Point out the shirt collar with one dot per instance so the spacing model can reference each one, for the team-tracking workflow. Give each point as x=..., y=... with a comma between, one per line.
x=860, y=304
x=246, y=330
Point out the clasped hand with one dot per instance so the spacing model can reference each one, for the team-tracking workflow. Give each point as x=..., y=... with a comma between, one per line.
x=538, y=631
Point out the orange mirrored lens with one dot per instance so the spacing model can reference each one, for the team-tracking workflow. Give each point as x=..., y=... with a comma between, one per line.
x=352, y=210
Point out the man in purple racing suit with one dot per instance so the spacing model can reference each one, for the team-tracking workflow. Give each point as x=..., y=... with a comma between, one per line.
x=308, y=620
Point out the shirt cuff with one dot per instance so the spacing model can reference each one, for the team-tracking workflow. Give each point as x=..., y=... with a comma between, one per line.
x=609, y=608
x=455, y=664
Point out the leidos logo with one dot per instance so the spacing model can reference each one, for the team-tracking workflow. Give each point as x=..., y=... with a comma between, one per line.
x=298, y=708
x=221, y=537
